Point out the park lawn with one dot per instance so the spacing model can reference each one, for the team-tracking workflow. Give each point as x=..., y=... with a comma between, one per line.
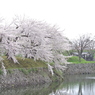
x=75, y=60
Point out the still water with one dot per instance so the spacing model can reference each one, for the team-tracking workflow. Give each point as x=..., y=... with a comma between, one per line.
x=72, y=85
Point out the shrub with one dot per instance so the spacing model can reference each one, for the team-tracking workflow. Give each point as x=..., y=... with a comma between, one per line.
x=10, y=71
x=23, y=70
x=34, y=69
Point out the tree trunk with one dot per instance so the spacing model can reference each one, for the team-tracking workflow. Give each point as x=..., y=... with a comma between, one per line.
x=79, y=57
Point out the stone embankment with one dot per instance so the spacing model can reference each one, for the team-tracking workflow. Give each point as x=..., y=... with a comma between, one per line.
x=87, y=68
x=23, y=77
x=16, y=77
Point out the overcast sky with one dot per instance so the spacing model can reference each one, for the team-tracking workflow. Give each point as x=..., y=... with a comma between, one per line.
x=76, y=17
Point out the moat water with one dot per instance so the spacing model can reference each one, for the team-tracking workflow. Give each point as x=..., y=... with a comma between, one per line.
x=72, y=85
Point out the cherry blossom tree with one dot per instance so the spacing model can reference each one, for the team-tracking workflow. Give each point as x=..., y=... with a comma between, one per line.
x=33, y=39
x=41, y=41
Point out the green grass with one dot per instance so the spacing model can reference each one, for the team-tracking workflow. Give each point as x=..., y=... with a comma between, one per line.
x=24, y=63
x=75, y=60
x=66, y=53
x=1, y=72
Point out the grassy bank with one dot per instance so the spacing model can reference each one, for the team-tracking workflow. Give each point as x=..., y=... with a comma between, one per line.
x=75, y=60
x=23, y=63
x=27, y=65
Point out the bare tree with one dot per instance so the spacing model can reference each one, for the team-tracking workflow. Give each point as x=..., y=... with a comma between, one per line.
x=91, y=50
x=81, y=44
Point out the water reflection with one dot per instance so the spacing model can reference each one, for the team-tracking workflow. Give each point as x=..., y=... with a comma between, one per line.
x=44, y=89
x=77, y=85
x=72, y=85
